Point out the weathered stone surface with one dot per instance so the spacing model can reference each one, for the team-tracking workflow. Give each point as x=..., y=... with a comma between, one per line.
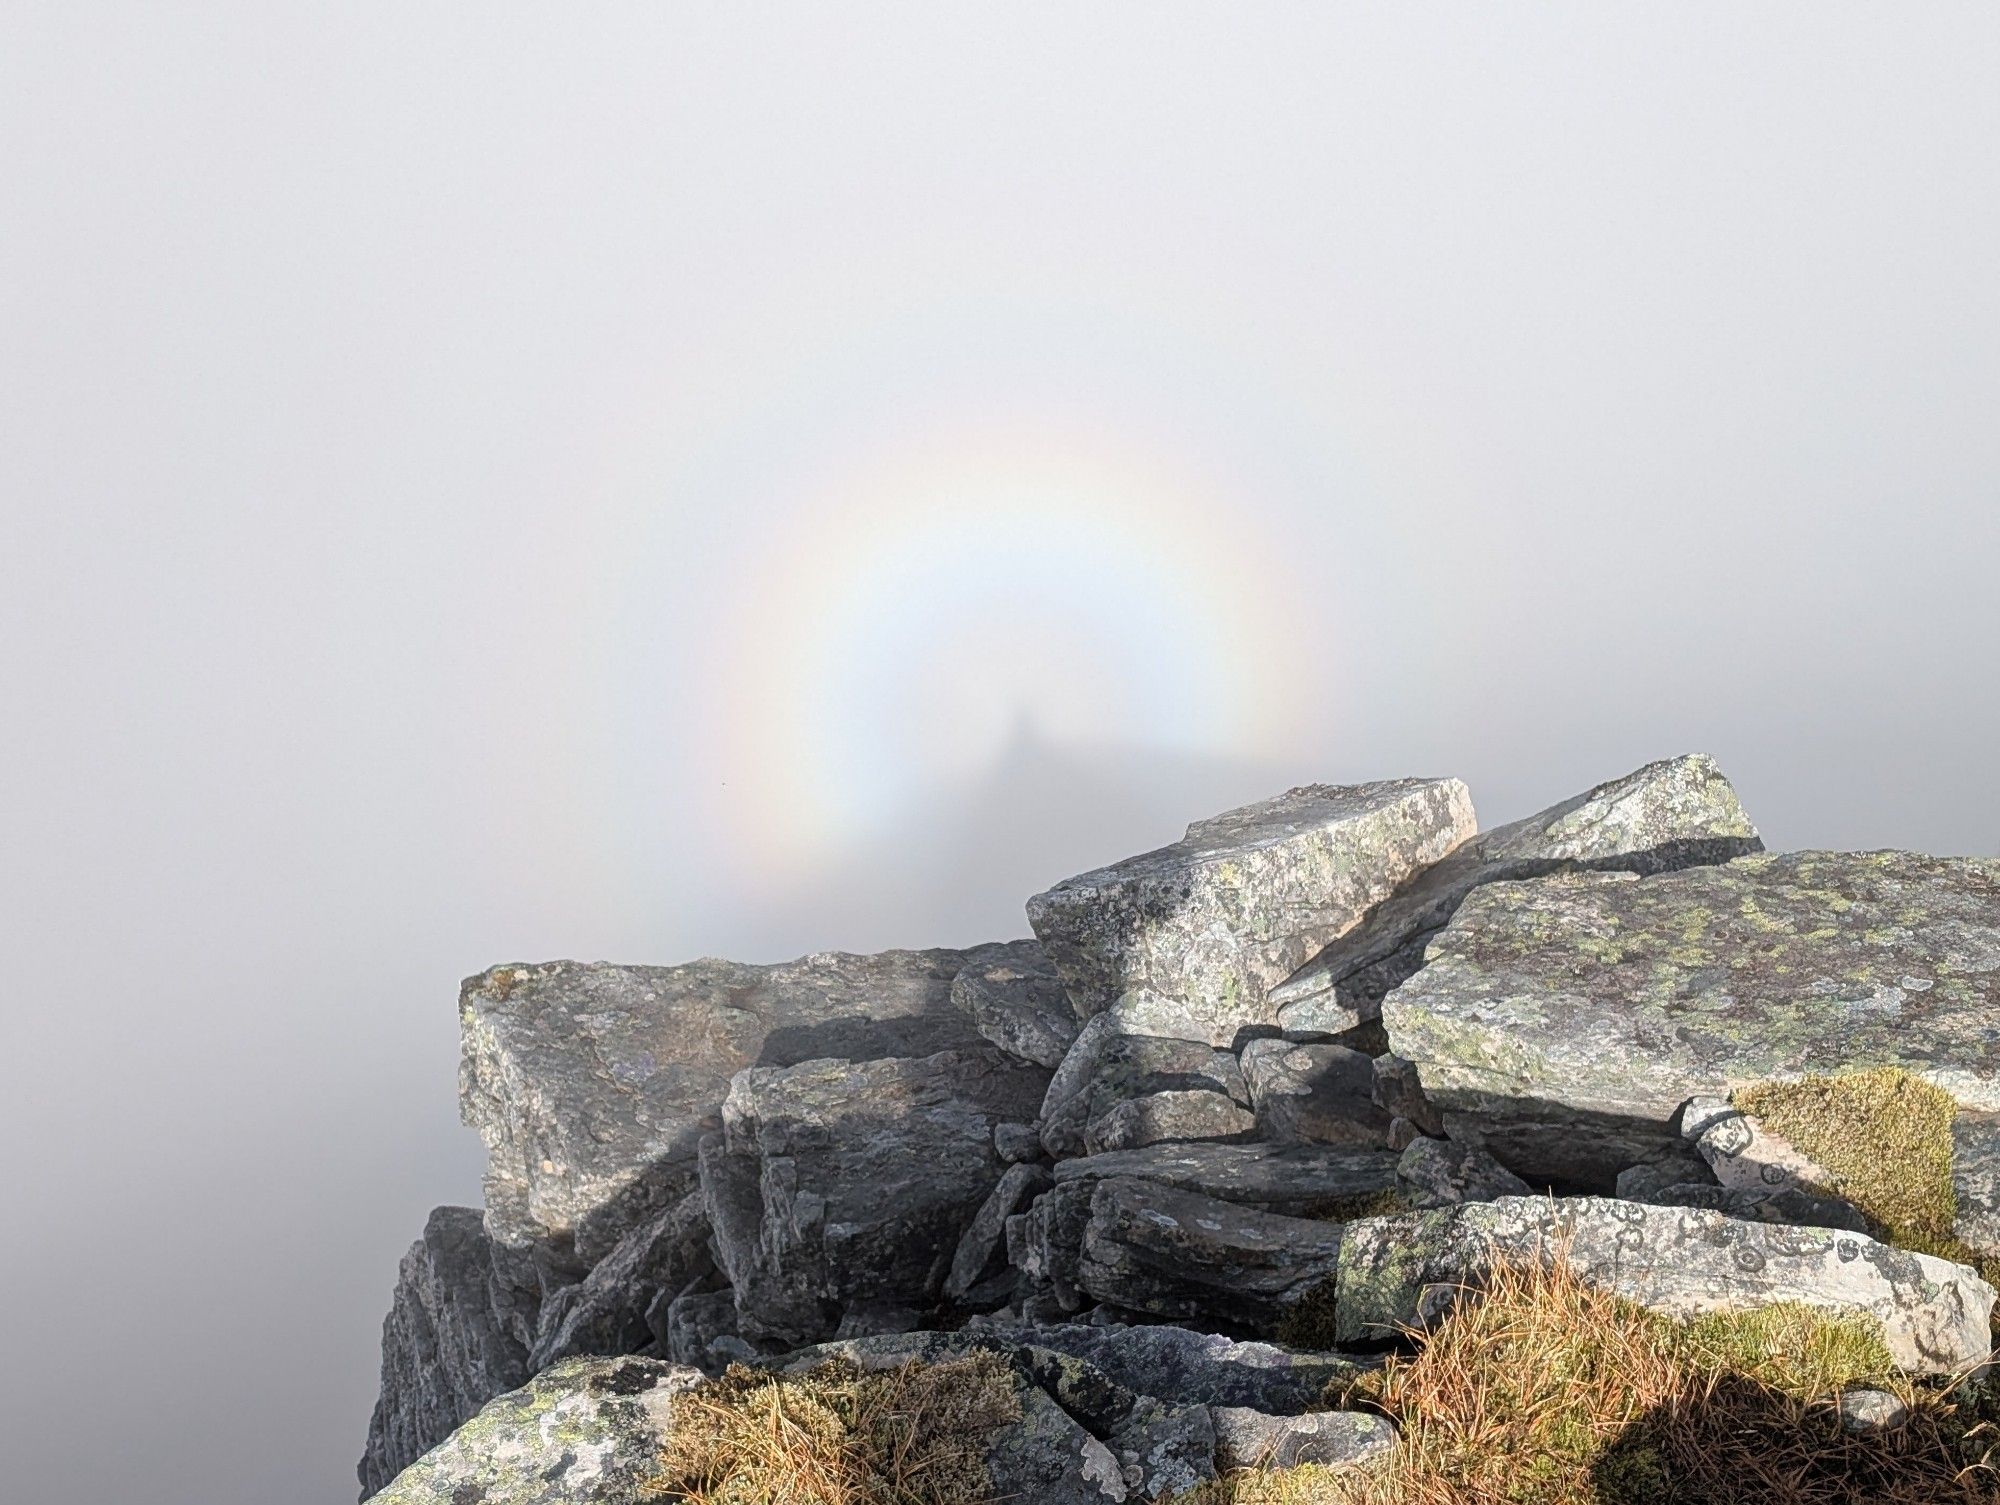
x=1668, y=815
x=987, y=1232
x=1017, y=1002
x=1403, y=1269
x=1866, y=1411
x=1399, y=1091
x=1244, y=899
x=698, y=1329
x=1670, y=1166
x=444, y=1353
x=1743, y=1154
x=841, y=1187
x=1015, y=1143
x=593, y=1084
x=1314, y=1094
x=1245, y=1438
x=1298, y=1180
x=1445, y=1172
x=1792, y=1206
x=1167, y=1118
x=606, y=1312
x=1114, y=1059
x=1975, y=1177
x=1185, y=1367
x=1565, y=1021
x=587, y=1432
x=1148, y=1248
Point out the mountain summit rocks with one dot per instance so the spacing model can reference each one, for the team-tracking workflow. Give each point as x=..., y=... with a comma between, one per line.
x=1247, y=1111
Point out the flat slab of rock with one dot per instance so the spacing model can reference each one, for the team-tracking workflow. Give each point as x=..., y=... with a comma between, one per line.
x=1149, y=1248
x=1244, y=899
x=1171, y=1117
x=839, y=1186
x=1298, y=1180
x=444, y=1352
x=592, y=1084
x=587, y=1432
x=1677, y=813
x=1314, y=1094
x=1565, y=1021
x=1975, y=1176
x=1404, y=1270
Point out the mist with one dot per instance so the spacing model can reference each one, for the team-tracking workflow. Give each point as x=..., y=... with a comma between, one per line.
x=487, y=484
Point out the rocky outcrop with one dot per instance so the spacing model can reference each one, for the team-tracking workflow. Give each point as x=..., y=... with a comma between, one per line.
x=1673, y=814
x=592, y=1084
x=1565, y=1022
x=1407, y=1269
x=444, y=1353
x=1244, y=899
x=840, y=1190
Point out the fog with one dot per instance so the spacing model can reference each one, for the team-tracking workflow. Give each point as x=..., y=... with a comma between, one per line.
x=507, y=482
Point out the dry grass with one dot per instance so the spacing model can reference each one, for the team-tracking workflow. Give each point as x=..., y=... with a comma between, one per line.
x=838, y=1435
x=1542, y=1391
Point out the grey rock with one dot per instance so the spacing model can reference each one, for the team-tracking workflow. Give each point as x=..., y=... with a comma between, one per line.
x=1446, y=1172
x=1671, y=1166
x=1015, y=1143
x=1872, y=1411
x=841, y=1186
x=1175, y=1254
x=1244, y=899
x=1018, y=1003
x=1673, y=814
x=606, y=1312
x=1793, y=1206
x=1975, y=1175
x=1402, y=1270
x=1162, y=1450
x=1185, y=1367
x=1168, y=1117
x=1403, y=1134
x=1112, y=1061
x=444, y=1353
x=593, y=1084
x=587, y=1432
x=1399, y=1090
x=1298, y=1180
x=985, y=1235
x=1565, y=1021
x=700, y=1331
x=1745, y=1155
x=1050, y=1236
x=1314, y=1094
x=1246, y=1438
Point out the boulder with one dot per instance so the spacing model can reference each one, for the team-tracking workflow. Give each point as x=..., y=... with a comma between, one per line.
x=1399, y=1092
x=1115, y=1059
x=1314, y=1094
x=1673, y=814
x=1445, y=1172
x=1017, y=1002
x=1565, y=1021
x=1244, y=899
x=593, y=1084
x=1252, y=1439
x=1148, y=1248
x=444, y=1352
x=587, y=1432
x=1405, y=1270
x=1166, y=1118
x=605, y=1313
x=841, y=1188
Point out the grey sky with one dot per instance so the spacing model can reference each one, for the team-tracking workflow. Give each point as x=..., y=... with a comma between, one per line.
x=491, y=482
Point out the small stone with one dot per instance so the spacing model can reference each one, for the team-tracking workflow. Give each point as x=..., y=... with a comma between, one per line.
x=1314, y=1094
x=1871, y=1411
x=1403, y=1133
x=1016, y=1143
x=1446, y=1172
x=1399, y=1090
x=1168, y=1117
x=1252, y=1439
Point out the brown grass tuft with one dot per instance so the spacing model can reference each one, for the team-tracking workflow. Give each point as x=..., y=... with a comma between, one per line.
x=838, y=1435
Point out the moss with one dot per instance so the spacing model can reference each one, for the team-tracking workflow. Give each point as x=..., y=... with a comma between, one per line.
x=1884, y=1138
x=838, y=1435
x=1362, y=1204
